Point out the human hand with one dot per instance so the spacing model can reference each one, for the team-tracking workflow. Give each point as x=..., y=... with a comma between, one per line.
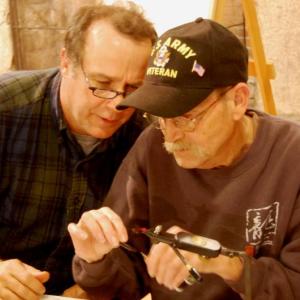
x=19, y=281
x=97, y=233
x=75, y=291
x=165, y=266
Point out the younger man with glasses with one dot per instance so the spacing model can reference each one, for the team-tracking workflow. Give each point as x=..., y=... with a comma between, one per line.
x=227, y=173
x=61, y=142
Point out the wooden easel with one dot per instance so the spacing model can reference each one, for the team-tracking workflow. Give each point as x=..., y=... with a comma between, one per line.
x=258, y=66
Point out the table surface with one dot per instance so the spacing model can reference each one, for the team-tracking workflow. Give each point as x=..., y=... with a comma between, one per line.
x=51, y=297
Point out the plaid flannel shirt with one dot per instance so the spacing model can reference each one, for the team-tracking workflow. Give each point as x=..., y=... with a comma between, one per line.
x=46, y=181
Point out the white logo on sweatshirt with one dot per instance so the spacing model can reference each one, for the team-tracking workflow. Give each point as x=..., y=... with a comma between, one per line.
x=261, y=224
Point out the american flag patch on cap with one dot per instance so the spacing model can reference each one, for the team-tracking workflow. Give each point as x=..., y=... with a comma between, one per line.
x=198, y=69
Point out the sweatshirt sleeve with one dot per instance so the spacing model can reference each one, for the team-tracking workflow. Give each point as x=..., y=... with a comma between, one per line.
x=116, y=276
x=121, y=273
x=277, y=278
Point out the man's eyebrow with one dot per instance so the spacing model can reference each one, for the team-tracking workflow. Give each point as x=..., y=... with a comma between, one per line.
x=101, y=76
x=136, y=84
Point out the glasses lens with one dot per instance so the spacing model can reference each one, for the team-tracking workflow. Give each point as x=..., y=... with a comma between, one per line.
x=106, y=94
x=185, y=123
x=161, y=124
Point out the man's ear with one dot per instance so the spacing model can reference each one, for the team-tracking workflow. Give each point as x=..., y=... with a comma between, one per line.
x=241, y=100
x=64, y=61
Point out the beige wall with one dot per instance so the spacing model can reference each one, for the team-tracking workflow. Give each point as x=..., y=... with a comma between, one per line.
x=280, y=27
x=5, y=38
x=278, y=20
x=38, y=30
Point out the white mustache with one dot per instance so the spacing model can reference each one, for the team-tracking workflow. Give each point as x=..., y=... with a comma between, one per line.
x=178, y=146
x=196, y=150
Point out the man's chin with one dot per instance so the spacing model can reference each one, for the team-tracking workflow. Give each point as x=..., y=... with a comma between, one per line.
x=103, y=133
x=183, y=162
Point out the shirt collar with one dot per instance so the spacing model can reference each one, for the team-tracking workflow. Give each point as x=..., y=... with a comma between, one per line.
x=55, y=103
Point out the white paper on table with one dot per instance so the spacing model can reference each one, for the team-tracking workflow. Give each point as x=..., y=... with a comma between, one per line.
x=52, y=297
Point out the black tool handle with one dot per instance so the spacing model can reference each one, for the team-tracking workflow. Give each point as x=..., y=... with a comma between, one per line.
x=189, y=242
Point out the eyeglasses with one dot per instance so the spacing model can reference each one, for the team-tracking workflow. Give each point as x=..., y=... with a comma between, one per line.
x=189, y=124
x=107, y=93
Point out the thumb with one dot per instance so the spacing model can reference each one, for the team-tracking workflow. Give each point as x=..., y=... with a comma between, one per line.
x=42, y=276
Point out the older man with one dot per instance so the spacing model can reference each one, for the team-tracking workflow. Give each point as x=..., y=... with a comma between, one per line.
x=227, y=173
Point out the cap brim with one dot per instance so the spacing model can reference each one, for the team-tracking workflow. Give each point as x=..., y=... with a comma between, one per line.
x=164, y=101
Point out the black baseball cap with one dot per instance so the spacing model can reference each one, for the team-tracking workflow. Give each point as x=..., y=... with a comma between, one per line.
x=187, y=63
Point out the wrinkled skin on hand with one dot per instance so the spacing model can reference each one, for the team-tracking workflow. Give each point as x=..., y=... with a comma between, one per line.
x=100, y=231
x=166, y=267
x=19, y=281
x=97, y=233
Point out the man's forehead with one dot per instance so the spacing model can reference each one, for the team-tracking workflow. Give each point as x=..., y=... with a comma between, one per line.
x=98, y=27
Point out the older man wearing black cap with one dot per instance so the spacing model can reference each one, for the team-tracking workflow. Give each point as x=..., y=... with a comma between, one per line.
x=231, y=179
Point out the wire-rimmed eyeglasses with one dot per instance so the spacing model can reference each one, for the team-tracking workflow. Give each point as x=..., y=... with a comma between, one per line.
x=107, y=93
x=184, y=123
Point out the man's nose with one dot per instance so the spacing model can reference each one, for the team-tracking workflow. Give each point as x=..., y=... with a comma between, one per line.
x=114, y=102
x=172, y=133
